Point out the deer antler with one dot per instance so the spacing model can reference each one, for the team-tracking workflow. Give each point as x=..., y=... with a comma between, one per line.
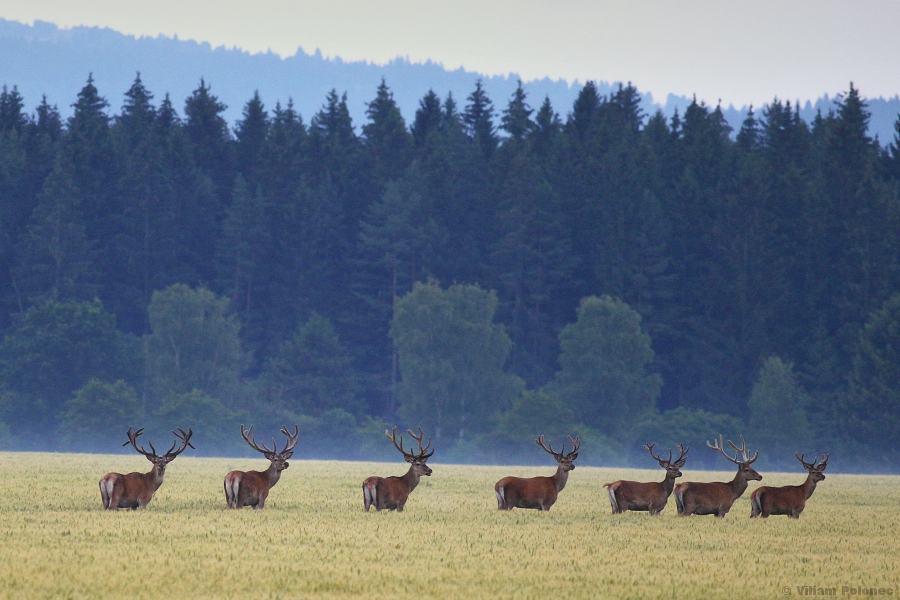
x=185, y=438
x=818, y=464
x=423, y=450
x=423, y=453
x=247, y=434
x=392, y=435
x=547, y=447
x=719, y=445
x=649, y=446
x=668, y=462
x=682, y=455
x=292, y=438
x=741, y=457
x=133, y=434
x=576, y=446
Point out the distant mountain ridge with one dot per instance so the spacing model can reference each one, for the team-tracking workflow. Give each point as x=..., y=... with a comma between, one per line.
x=45, y=59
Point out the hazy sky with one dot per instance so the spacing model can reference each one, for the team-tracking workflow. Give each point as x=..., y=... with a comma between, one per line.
x=739, y=51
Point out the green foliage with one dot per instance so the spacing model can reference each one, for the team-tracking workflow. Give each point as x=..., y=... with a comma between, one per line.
x=604, y=366
x=98, y=409
x=216, y=427
x=193, y=344
x=537, y=412
x=691, y=427
x=780, y=239
x=874, y=398
x=778, y=406
x=312, y=372
x=56, y=261
x=53, y=351
x=452, y=356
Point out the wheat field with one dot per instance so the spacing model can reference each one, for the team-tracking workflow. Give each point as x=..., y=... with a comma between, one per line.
x=314, y=540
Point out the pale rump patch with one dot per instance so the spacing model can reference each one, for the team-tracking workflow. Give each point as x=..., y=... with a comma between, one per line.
x=232, y=487
x=235, y=487
x=369, y=495
x=106, y=489
x=612, y=499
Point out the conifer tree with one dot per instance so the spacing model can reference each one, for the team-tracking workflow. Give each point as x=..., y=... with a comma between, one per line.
x=12, y=113
x=207, y=133
x=242, y=244
x=478, y=119
x=516, y=119
x=428, y=118
x=57, y=258
x=250, y=134
x=386, y=138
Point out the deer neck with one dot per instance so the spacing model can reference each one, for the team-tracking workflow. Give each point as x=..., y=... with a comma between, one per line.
x=668, y=484
x=809, y=486
x=560, y=478
x=411, y=478
x=156, y=477
x=738, y=485
x=272, y=474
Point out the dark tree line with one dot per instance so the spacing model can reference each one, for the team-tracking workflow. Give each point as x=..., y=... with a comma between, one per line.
x=745, y=274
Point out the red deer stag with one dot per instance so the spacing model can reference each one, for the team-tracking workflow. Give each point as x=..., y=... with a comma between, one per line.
x=788, y=500
x=635, y=495
x=694, y=498
x=391, y=492
x=135, y=490
x=251, y=488
x=538, y=492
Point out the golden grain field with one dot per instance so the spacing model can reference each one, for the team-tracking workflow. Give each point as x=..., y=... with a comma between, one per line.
x=314, y=540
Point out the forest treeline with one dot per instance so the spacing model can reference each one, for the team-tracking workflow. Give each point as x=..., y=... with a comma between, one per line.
x=487, y=272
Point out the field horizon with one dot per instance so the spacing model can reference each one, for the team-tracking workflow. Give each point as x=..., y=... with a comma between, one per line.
x=315, y=540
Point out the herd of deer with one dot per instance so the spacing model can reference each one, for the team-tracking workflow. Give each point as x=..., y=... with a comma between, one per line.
x=251, y=488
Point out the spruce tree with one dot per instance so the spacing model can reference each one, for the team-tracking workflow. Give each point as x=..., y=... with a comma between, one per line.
x=12, y=113
x=250, y=135
x=386, y=138
x=478, y=119
x=428, y=118
x=57, y=258
x=209, y=139
x=516, y=119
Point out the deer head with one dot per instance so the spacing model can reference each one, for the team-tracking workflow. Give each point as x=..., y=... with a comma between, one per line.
x=816, y=469
x=160, y=461
x=741, y=458
x=565, y=459
x=415, y=459
x=278, y=459
x=672, y=467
